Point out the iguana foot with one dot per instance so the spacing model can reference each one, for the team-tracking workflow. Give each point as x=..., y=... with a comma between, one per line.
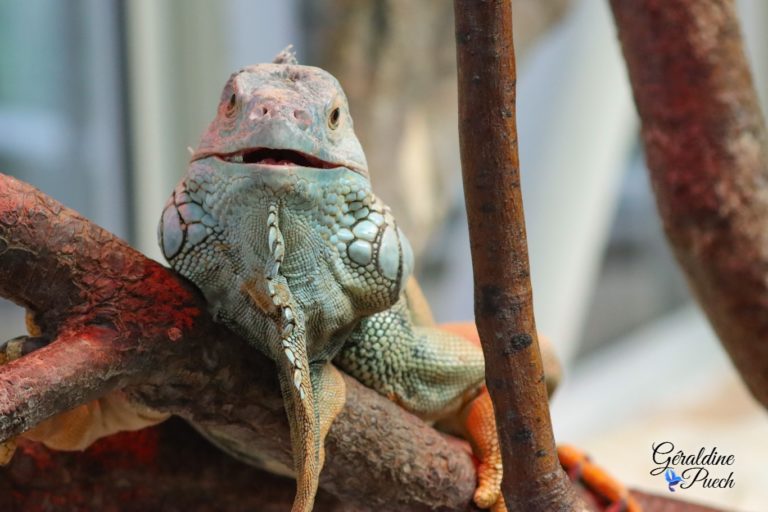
x=480, y=429
x=581, y=469
x=480, y=425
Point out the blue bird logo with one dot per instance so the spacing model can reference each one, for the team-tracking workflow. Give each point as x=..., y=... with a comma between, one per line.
x=672, y=479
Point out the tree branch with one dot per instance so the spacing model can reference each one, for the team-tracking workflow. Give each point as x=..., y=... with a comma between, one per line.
x=122, y=321
x=168, y=465
x=87, y=367
x=707, y=153
x=533, y=478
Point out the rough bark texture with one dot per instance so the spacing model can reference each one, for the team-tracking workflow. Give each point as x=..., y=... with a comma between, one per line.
x=707, y=152
x=120, y=320
x=533, y=479
x=170, y=468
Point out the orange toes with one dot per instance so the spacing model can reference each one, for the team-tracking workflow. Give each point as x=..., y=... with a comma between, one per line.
x=488, y=490
x=581, y=469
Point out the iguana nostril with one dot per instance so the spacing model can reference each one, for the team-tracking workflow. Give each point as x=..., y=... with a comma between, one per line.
x=302, y=117
x=261, y=110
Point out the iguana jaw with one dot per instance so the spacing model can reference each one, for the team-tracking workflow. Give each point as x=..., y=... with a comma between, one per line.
x=270, y=158
x=273, y=157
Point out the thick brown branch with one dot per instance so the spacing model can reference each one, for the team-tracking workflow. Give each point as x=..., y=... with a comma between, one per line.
x=168, y=467
x=87, y=366
x=144, y=330
x=533, y=479
x=707, y=152
x=121, y=321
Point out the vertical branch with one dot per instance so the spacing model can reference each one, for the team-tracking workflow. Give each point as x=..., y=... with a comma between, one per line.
x=707, y=153
x=533, y=479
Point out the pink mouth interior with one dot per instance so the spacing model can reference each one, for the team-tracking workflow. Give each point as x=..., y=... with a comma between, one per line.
x=282, y=157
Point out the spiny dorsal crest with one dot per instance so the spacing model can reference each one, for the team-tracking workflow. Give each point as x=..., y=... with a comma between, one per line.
x=286, y=56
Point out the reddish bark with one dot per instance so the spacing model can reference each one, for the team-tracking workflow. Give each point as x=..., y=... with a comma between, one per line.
x=168, y=467
x=533, y=478
x=707, y=153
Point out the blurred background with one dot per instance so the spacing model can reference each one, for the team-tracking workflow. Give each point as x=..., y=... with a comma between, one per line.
x=99, y=100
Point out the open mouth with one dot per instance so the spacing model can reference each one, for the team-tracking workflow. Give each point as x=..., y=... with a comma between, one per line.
x=280, y=157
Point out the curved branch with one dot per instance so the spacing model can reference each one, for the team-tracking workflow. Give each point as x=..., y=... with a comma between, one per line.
x=169, y=464
x=707, y=153
x=122, y=321
x=87, y=366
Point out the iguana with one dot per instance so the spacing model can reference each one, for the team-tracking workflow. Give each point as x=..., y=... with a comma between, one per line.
x=276, y=223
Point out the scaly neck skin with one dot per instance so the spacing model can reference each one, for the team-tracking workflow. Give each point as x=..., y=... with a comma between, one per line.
x=344, y=256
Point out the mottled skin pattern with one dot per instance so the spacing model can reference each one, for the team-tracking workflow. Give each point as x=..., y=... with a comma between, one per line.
x=294, y=251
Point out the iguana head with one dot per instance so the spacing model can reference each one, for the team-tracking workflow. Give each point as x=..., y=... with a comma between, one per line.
x=284, y=114
x=283, y=137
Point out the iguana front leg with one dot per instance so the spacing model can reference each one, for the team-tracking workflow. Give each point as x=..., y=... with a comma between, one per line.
x=437, y=373
x=311, y=406
x=311, y=393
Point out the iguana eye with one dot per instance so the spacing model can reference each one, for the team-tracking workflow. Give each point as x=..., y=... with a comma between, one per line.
x=333, y=118
x=231, y=105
